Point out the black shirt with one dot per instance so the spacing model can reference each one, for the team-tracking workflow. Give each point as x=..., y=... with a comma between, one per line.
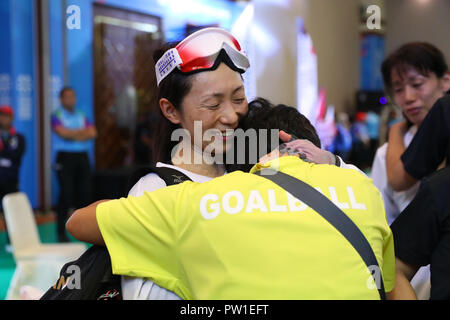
x=422, y=231
x=431, y=144
x=12, y=148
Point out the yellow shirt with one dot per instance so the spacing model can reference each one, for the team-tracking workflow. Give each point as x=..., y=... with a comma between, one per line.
x=241, y=236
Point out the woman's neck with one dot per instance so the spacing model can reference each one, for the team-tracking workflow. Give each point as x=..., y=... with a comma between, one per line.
x=207, y=170
x=194, y=161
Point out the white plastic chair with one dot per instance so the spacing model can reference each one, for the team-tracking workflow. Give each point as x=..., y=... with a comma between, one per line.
x=37, y=264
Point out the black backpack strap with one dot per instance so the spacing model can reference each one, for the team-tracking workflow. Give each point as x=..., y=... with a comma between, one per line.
x=169, y=175
x=335, y=216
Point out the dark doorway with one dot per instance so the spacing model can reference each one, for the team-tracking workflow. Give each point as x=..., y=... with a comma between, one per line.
x=125, y=94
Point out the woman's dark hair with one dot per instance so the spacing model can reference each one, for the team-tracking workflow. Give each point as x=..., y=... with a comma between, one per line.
x=422, y=56
x=174, y=87
x=262, y=114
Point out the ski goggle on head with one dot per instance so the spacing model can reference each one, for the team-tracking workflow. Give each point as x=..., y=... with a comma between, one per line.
x=199, y=51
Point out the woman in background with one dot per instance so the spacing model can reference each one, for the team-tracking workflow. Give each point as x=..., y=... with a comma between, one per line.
x=415, y=76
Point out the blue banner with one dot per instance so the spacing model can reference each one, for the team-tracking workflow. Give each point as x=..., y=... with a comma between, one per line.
x=18, y=84
x=23, y=47
x=372, y=55
x=5, y=55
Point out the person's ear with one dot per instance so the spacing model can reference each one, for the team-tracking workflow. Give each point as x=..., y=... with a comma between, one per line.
x=169, y=111
x=445, y=82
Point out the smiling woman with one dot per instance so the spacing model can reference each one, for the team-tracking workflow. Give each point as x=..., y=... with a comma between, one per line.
x=215, y=103
x=199, y=80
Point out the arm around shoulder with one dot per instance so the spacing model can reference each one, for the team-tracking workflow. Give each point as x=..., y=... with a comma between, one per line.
x=83, y=224
x=403, y=275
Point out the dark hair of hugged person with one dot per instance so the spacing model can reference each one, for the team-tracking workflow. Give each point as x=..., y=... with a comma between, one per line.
x=263, y=114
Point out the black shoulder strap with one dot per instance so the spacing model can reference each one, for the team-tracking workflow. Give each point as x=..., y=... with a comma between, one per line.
x=169, y=175
x=335, y=216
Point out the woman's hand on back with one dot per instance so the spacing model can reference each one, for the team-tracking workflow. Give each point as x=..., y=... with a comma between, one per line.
x=311, y=152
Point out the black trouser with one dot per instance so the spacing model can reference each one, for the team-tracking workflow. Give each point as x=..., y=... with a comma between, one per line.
x=6, y=188
x=74, y=176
